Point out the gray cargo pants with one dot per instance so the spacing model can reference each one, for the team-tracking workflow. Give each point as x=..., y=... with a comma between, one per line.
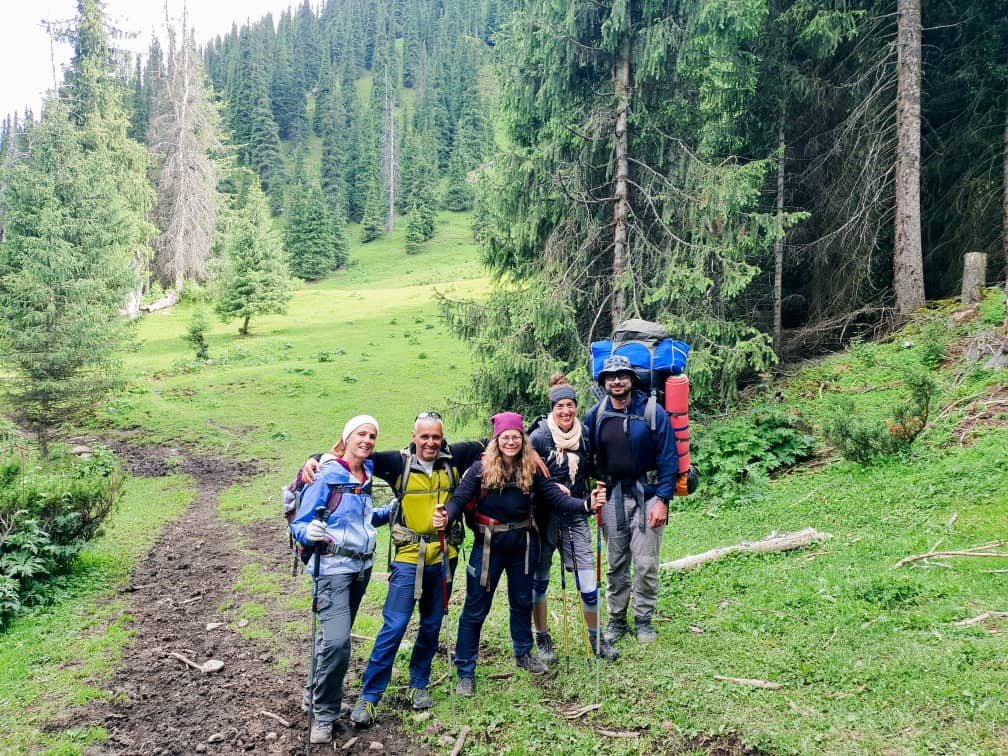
x=339, y=597
x=636, y=546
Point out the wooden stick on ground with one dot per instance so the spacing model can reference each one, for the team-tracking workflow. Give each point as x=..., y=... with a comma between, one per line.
x=578, y=713
x=980, y=618
x=985, y=550
x=460, y=741
x=764, y=684
x=619, y=733
x=773, y=542
x=275, y=718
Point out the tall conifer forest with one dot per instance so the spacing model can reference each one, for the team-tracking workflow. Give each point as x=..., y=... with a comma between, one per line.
x=767, y=178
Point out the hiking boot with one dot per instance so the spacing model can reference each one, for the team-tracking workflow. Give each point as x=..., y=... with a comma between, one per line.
x=321, y=732
x=645, y=633
x=531, y=663
x=616, y=630
x=421, y=699
x=604, y=649
x=544, y=641
x=363, y=714
x=466, y=687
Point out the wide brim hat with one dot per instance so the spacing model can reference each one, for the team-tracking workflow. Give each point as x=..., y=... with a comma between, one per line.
x=616, y=364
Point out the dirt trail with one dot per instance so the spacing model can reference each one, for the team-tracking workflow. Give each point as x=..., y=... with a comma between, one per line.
x=161, y=706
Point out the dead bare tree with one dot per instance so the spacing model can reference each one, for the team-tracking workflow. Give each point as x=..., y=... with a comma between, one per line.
x=908, y=260
x=184, y=130
x=388, y=155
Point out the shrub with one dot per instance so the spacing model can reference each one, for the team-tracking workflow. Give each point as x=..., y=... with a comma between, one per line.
x=736, y=456
x=196, y=335
x=863, y=438
x=46, y=517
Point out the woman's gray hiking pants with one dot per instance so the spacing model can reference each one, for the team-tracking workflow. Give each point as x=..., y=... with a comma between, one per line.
x=339, y=597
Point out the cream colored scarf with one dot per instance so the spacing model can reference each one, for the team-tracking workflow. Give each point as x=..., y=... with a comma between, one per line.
x=567, y=441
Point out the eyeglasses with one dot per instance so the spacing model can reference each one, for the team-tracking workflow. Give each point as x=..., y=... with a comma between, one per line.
x=428, y=416
x=509, y=438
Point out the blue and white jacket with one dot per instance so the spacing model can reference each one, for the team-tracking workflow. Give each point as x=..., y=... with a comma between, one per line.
x=351, y=523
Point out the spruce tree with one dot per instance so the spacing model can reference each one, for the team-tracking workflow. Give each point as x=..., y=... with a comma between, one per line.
x=616, y=195
x=375, y=206
x=64, y=275
x=255, y=279
x=311, y=237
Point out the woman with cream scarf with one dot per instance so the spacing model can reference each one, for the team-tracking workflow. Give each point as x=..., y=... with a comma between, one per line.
x=561, y=442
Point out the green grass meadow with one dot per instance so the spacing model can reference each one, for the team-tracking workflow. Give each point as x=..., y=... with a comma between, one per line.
x=868, y=656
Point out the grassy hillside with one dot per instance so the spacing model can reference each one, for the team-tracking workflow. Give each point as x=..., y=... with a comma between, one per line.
x=869, y=657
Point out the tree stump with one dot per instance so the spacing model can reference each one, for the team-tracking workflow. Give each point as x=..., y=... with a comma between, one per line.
x=974, y=277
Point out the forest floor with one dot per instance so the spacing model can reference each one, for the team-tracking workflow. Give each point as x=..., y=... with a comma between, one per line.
x=181, y=599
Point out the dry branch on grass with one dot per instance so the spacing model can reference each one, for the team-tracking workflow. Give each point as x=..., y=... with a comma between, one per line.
x=275, y=718
x=763, y=684
x=980, y=618
x=578, y=713
x=772, y=543
x=619, y=733
x=984, y=550
x=460, y=742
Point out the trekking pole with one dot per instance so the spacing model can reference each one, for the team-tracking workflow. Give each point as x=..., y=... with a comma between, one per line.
x=563, y=596
x=320, y=515
x=598, y=585
x=444, y=618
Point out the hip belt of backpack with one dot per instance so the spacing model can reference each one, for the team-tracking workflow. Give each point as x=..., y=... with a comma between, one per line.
x=617, y=489
x=489, y=527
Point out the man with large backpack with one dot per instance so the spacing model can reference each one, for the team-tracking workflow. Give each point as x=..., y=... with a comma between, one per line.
x=633, y=450
x=423, y=477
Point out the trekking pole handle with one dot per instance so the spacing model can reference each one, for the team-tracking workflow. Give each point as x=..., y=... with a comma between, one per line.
x=320, y=513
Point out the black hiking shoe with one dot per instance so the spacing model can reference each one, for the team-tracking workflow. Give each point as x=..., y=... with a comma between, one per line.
x=602, y=648
x=547, y=654
x=616, y=630
x=531, y=663
x=645, y=632
x=466, y=687
x=363, y=714
x=421, y=699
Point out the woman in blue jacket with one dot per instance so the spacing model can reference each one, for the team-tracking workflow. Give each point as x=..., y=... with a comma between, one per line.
x=343, y=544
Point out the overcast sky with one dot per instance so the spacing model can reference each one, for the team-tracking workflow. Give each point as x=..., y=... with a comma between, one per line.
x=26, y=69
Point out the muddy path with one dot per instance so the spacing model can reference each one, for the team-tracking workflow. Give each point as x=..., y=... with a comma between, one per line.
x=180, y=597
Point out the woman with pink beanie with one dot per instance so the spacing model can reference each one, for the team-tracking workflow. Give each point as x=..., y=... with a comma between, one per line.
x=500, y=492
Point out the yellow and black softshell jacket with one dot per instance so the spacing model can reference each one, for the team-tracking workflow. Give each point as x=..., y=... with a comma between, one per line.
x=422, y=493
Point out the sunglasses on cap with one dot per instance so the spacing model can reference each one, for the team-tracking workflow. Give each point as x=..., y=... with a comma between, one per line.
x=428, y=416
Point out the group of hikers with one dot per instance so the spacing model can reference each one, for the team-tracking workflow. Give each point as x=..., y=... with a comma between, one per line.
x=527, y=496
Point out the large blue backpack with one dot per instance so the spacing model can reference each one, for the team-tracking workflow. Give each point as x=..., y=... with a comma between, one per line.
x=652, y=353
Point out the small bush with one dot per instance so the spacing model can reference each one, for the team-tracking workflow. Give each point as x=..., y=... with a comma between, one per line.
x=934, y=341
x=46, y=517
x=863, y=439
x=736, y=455
x=196, y=335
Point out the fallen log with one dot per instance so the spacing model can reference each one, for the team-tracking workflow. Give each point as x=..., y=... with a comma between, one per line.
x=772, y=543
x=168, y=300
